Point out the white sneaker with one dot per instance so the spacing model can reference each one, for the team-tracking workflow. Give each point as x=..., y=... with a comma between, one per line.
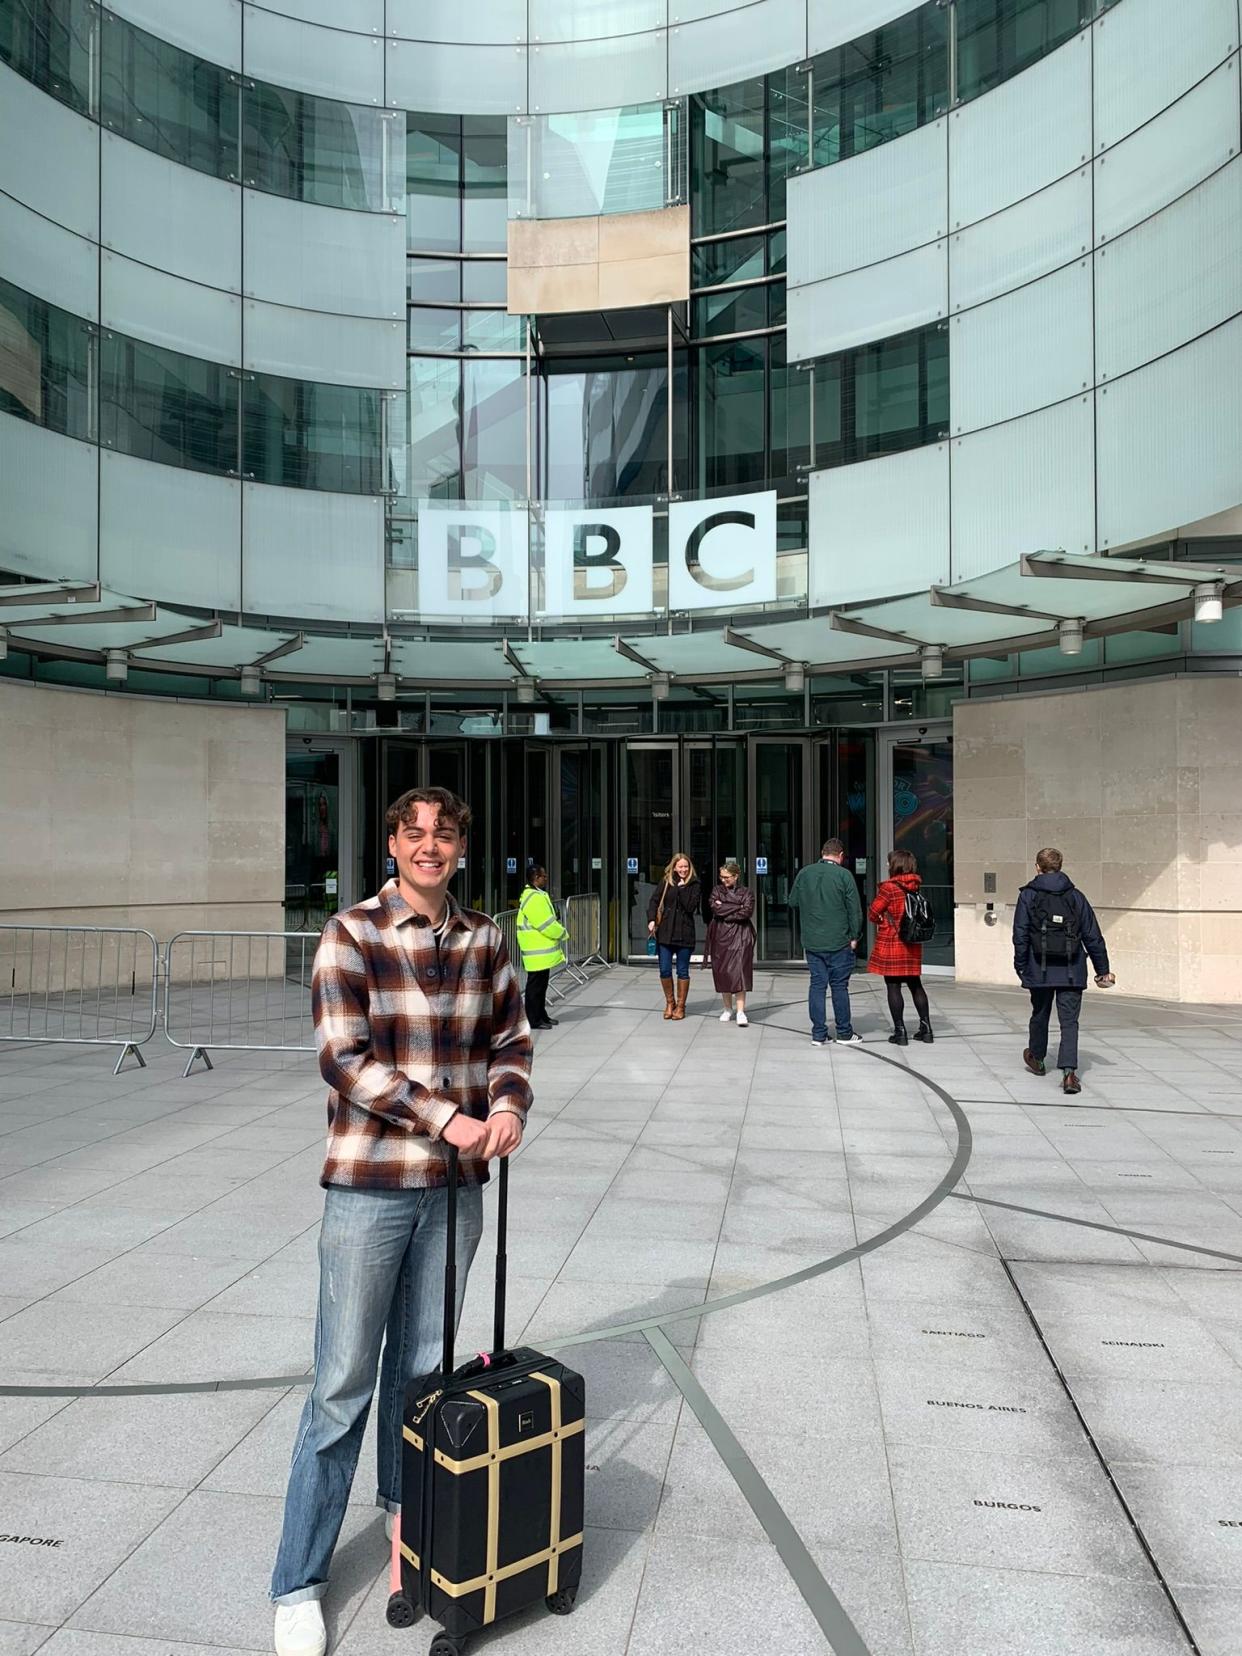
x=388, y=1517
x=742, y=1020
x=725, y=1016
x=849, y=1040
x=300, y=1630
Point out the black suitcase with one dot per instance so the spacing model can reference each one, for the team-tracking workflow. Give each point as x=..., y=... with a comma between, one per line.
x=492, y=1478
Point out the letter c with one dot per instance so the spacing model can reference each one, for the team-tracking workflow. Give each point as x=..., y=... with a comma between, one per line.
x=700, y=532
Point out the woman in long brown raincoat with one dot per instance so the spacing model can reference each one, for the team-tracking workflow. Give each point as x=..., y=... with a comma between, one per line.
x=731, y=942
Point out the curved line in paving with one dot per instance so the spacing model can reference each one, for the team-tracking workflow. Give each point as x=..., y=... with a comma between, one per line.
x=723, y=1302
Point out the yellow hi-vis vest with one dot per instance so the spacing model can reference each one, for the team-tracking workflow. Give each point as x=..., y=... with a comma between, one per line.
x=539, y=931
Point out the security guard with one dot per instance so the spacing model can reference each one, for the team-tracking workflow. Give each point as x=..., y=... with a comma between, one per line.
x=539, y=938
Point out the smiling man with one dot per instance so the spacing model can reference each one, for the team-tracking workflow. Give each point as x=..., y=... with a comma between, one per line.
x=423, y=1040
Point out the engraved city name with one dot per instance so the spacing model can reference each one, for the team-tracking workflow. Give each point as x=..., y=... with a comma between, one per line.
x=1010, y=1506
x=1145, y=1345
x=1230, y=1523
x=954, y=1333
x=987, y=1408
x=31, y=1540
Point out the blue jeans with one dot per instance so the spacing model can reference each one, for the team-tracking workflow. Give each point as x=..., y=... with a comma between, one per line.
x=830, y=969
x=682, y=956
x=381, y=1280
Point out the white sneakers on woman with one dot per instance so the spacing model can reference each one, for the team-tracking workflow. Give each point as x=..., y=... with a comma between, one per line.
x=725, y=1016
x=300, y=1630
x=742, y=1020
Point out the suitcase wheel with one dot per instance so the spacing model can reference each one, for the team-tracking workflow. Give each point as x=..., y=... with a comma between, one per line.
x=560, y=1604
x=400, y=1611
x=442, y=1645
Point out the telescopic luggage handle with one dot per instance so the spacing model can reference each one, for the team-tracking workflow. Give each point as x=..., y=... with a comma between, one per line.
x=450, y=1258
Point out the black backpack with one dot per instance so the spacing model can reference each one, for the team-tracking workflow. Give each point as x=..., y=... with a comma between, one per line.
x=1054, y=928
x=917, y=924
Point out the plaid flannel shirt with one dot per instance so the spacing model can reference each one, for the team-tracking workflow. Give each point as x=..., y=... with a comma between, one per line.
x=410, y=1031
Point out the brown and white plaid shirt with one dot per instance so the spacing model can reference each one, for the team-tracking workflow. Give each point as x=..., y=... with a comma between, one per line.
x=409, y=1031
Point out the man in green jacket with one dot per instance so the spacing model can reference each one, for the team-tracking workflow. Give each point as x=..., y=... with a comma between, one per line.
x=826, y=898
x=539, y=934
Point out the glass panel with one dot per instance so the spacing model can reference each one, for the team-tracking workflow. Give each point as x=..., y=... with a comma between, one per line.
x=731, y=413
x=434, y=330
x=605, y=161
x=881, y=85
x=318, y=150
x=735, y=310
x=493, y=429
x=999, y=38
x=736, y=260
x=485, y=212
x=48, y=42
x=789, y=414
x=168, y=101
x=649, y=833
x=44, y=371
x=309, y=436
x=433, y=281
x=581, y=863
x=485, y=279
x=788, y=134
x=488, y=330
x=160, y=405
x=922, y=807
x=433, y=182
x=435, y=448
x=778, y=837
x=312, y=840
x=727, y=158
x=882, y=398
x=605, y=429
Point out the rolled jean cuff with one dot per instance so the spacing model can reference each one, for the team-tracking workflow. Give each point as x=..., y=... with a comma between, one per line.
x=385, y=1504
x=303, y=1595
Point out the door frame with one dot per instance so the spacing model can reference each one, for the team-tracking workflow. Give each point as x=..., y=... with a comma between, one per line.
x=888, y=737
x=349, y=839
x=804, y=832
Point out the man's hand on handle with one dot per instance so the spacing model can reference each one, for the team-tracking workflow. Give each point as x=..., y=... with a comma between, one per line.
x=504, y=1134
x=470, y=1136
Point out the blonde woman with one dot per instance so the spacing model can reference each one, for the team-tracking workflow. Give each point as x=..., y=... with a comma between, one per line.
x=671, y=916
x=731, y=942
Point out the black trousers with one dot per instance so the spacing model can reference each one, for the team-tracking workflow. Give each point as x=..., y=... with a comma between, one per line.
x=537, y=997
x=1069, y=1005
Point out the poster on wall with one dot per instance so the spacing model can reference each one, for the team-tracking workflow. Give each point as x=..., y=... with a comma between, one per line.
x=473, y=561
x=598, y=562
x=722, y=553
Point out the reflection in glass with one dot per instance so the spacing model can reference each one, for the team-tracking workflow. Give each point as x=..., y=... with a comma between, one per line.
x=493, y=429
x=922, y=822
x=733, y=310
x=790, y=413
x=881, y=85
x=484, y=279
x=433, y=182
x=727, y=169
x=44, y=363
x=881, y=398
x=493, y=330
x=485, y=211
x=1000, y=38
x=160, y=405
x=309, y=436
x=433, y=281
x=604, y=161
x=48, y=42
x=736, y=260
x=605, y=428
x=649, y=832
x=732, y=397
x=318, y=150
x=434, y=446
x=778, y=837
x=434, y=330
x=169, y=101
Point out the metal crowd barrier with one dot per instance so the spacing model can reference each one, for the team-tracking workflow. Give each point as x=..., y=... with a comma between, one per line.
x=583, y=919
x=239, y=992
x=85, y=985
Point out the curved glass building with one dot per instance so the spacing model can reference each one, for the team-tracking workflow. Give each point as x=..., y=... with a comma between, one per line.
x=669, y=422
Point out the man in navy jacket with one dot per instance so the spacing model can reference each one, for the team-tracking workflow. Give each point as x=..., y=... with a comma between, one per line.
x=1054, y=931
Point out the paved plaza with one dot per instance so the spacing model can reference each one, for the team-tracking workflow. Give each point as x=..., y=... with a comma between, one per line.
x=997, y=1411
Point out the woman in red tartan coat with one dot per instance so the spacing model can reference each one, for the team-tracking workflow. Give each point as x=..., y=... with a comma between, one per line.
x=897, y=962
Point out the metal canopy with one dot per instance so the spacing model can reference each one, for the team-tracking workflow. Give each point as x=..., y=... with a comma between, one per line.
x=1018, y=607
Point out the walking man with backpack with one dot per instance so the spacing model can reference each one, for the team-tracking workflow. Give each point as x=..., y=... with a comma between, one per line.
x=1054, y=932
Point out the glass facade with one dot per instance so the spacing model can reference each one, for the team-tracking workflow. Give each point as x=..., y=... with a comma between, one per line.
x=44, y=364
x=49, y=43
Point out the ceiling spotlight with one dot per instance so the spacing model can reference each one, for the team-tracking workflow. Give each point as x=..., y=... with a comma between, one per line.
x=525, y=688
x=251, y=681
x=4, y=644
x=661, y=684
x=386, y=687
x=931, y=657
x=1209, y=605
x=1069, y=635
x=116, y=668
x=795, y=677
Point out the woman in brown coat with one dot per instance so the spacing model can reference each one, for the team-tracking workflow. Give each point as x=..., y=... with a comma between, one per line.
x=731, y=942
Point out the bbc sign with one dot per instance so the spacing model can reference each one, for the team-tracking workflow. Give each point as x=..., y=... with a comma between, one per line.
x=474, y=560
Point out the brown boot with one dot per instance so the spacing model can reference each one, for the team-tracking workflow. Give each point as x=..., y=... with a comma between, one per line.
x=667, y=985
x=683, y=989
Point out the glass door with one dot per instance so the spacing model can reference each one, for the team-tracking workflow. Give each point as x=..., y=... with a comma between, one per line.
x=780, y=835
x=320, y=876
x=652, y=822
x=916, y=794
